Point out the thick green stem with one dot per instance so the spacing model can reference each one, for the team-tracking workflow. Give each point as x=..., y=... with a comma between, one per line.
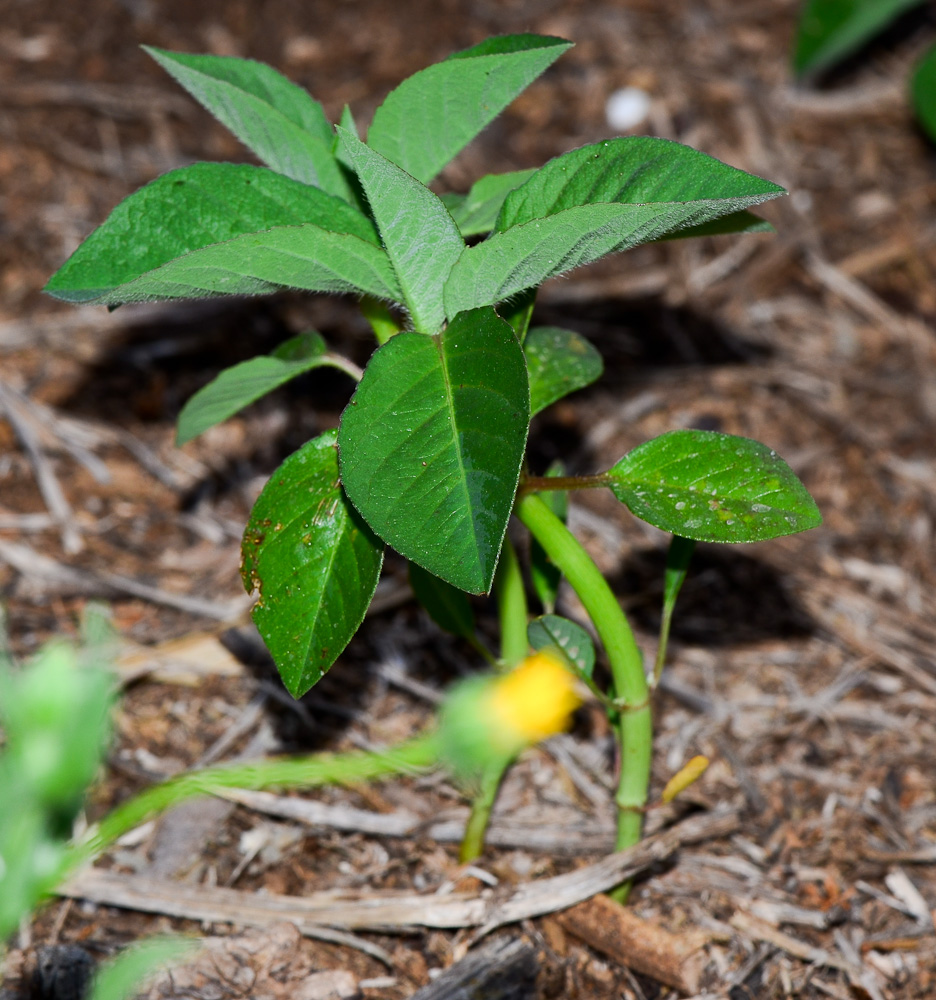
x=293, y=772
x=631, y=693
x=512, y=613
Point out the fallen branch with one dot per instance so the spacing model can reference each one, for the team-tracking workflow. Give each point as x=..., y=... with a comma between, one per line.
x=391, y=910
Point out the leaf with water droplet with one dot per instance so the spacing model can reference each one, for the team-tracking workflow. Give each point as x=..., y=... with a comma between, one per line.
x=713, y=487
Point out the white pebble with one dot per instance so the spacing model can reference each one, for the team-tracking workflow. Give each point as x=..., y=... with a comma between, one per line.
x=627, y=108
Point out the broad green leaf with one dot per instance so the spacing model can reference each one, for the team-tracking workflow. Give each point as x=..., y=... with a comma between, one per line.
x=525, y=256
x=923, y=91
x=432, y=442
x=305, y=257
x=276, y=119
x=420, y=237
x=123, y=977
x=313, y=561
x=558, y=362
x=544, y=573
x=635, y=170
x=431, y=116
x=713, y=488
x=830, y=30
x=447, y=606
x=594, y=201
x=476, y=212
x=243, y=384
x=572, y=639
x=191, y=208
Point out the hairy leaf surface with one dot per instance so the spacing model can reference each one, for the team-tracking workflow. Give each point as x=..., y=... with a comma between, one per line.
x=305, y=257
x=635, y=170
x=189, y=209
x=476, y=212
x=431, y=116
x=275, y=118
x=420, y=236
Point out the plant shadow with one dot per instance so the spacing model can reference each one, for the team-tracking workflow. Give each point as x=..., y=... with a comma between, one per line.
x=729, y=598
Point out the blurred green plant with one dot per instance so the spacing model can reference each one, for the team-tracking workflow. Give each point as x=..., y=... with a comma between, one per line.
x=430, y=455
x=55, y=721
x=830, y=31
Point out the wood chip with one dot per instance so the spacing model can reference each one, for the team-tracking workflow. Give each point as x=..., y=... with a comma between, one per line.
x=677, y=960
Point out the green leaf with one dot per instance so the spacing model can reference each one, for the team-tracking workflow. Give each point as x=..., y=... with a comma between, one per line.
x=594, y=201
x=192, y=208
x=431, y=116
x=123, y=977
x=923, y=91
x=432, y=442
x=830, y=30
x=420, y=237
x=572, y=639
x=276, y=119
x=314, y=562
x=544, y=573
x=713, y=488
x=558, y=362
x=476, y=212
x=243, y=384
x=518, y=312
x=447, y=606
x=635, y=170
x=305, y=257
x=727, y=225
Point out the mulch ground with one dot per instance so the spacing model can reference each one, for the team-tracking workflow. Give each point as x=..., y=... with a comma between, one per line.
x=804, y=668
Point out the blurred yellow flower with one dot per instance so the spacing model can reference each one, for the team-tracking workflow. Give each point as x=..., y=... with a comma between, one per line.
x=536, y=699
x=494, y=717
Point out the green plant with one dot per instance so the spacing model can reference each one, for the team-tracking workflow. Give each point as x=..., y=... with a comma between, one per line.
x=55, y=723
x=832, y=30
x=430, y=455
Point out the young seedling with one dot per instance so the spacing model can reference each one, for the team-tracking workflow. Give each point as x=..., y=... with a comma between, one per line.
x=430, y=453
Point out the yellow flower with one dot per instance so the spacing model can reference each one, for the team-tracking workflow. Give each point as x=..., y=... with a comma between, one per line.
x=535, y=700
x=494, y=717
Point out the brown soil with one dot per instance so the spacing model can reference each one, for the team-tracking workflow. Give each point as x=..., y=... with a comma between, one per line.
x=804, y=668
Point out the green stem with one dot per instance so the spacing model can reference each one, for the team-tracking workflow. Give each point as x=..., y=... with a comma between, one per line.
x=511, y=607
x=292, y=772
x=677, y=563
x=512, y=613
x=472, y=845
x=344, y=365
x=631, y=693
